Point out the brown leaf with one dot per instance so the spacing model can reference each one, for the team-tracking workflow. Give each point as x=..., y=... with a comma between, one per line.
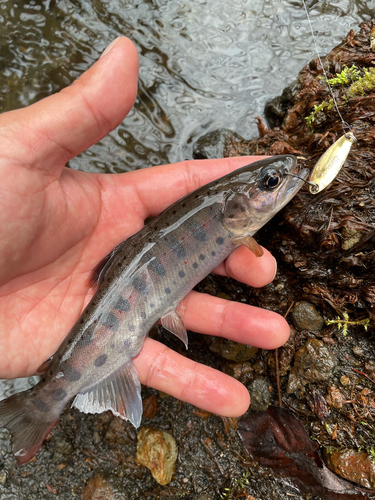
x=276, y=439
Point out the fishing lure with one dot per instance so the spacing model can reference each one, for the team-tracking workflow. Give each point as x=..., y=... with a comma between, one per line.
x=331, y=162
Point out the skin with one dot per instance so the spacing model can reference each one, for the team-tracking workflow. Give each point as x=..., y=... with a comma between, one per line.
x=57, y=223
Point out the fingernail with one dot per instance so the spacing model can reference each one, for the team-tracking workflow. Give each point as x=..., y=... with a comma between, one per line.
x=110, y=46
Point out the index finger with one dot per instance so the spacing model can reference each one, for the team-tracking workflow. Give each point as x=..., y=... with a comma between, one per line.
x=154, y=189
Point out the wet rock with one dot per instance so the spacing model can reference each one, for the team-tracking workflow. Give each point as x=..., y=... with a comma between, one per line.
x=355, y=466
x=260, y=394
x=276, y=109
x=62, y=445
x=306, y=317
x=213, y=144
x=239, y=371
x=313, y=362
x=157, y=450
x=104, y=486
x=230, y=350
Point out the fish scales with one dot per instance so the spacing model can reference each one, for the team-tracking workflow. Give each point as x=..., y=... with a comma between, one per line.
x=142, y=280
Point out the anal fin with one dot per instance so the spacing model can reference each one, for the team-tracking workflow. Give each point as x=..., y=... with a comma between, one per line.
x=174, y=324
x=250, y=243
x=120, y=393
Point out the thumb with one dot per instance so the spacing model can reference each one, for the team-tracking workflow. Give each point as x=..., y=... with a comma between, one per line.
x=49, y=133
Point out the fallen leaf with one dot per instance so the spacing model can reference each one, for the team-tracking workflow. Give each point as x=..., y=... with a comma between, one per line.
x=277, y=439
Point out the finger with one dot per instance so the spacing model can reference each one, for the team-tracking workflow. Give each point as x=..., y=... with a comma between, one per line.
x=244, y=266
x=57, y=128
x=233, y=320
x=202, y=386
x=153, y=189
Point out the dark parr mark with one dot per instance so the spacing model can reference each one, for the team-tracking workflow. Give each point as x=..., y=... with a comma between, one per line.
x=180, y=251
x=219, y=240
x=122, y=305
x=71, y=374
x=58, y=394
x=140, y=285
x=143, y=315
x=131, y=328
x=100, y=360
x=167, y=290
x=157, y=267
x=110, y=321
x=176, y=247
x=202, y=257
x=40, y=405
x=199, y=234
x=195, y=265
x=195, y=229
x=181, y=274
x=213, y=254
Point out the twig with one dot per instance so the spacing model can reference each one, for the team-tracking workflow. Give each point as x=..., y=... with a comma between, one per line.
x=210, y=452
x=364, y=374
x=277, y=363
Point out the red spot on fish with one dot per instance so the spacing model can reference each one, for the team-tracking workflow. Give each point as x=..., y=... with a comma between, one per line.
x=185, y=261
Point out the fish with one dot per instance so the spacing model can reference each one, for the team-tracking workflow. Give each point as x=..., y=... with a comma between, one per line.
x=140, y=281
x=331, y=162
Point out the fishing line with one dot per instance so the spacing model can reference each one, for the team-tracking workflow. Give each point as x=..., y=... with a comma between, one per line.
x=344, y=123
x=314, y=187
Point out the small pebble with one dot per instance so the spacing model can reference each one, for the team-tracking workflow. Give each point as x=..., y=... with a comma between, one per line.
x=3, y=477
x=306, y=317
x=345, y=380
x=157, y=450
x=260, y=394
x=358, y=351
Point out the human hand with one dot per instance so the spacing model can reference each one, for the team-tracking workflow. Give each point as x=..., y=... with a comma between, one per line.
x=58, y=223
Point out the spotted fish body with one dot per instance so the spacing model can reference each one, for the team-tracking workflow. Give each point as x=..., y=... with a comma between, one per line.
x=142, y=280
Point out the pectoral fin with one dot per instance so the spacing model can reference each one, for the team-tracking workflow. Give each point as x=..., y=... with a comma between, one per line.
x=120, y=393
x=173, y=323
x=250, y=243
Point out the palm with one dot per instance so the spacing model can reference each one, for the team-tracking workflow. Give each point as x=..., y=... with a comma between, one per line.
x=58, y=223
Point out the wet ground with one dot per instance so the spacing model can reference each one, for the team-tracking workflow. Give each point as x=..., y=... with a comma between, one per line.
x=205, y=66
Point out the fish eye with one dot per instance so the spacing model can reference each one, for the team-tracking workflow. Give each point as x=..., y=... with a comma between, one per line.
x=270, y=179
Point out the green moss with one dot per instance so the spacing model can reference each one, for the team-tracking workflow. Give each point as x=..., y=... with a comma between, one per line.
x=342, y=324
x=360, y=82
x=316, y=109
x=347, y=75
x=364, y=84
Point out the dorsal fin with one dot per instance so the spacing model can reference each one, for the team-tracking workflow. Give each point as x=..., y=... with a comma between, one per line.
x=99, y=271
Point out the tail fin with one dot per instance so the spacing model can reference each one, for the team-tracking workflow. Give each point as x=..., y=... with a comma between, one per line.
x=28, y=432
